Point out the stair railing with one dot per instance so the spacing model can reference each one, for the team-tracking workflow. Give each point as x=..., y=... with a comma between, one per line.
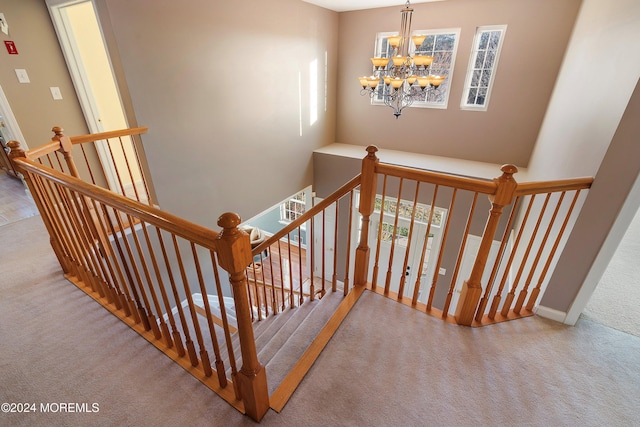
x=501, y=271
x=290, y=271
x=145, y=266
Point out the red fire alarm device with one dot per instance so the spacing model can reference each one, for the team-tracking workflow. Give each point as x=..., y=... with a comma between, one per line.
x=11, y=47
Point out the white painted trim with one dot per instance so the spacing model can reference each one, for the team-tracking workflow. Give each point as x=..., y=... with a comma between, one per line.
x=11, y=120
x=470, y=67
x=552, y=314
x=608, y=249
x=80, y=81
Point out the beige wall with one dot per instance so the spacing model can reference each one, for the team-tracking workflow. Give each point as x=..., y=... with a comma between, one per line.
x=577, y=139
x=39, y=53
x=218, y=85
x=610, y=201
x=535, y=41
x=585, y=109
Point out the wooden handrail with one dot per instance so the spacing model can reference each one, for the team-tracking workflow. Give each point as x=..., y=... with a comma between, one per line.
x=80, y=139
x=538, y=187
x=460, y=182
x=43, y=150
x=339, y=193
x=54, y=145
x=174, y=224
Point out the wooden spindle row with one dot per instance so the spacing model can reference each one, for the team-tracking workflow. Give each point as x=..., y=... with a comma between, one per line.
x=115, y=257
x=283, y=277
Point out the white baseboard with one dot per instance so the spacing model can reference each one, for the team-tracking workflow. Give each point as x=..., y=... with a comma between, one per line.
x=550, y=313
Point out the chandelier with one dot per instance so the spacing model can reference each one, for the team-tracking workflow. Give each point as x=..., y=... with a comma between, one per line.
x=401, y=79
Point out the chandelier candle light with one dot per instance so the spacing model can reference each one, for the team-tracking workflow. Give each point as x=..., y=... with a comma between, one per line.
x=401, y=79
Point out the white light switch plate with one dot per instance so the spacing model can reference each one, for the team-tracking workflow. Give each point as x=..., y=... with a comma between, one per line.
x=23, y=77
x=55, y=93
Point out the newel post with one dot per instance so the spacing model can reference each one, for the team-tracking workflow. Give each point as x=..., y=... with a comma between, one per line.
x=65, y=148
x=15, y=153
x=368, y=185
x=472, y=288
x=234, y=254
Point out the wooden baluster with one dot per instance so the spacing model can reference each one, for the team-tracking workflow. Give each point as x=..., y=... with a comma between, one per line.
x=49, y=216
x=234, y=254
x=334, y=277
x=376, y=268
x=505, y=238
x=66, y=147
x=291, y=266
x=163, y=292
x=472, y=288
x=204, y=355
x=300, y=275
x=18, y=152
x=394, y=236
x=536, y=291
x=523, y=294
x=73, y=231
x=130, y=291
x=140, y=169
x=454, y=279
x=126, y=161
x=324, y=245
x=525, y=258
x=107, y=260
x=227, y=334
x=445, y=235
x=175, y=332
x=425, y=245
x=348, y=261
x=507, y=270
x=191, y=349
x=405, y=264
x=369, y=181
x=147, y=275
x=311, y=244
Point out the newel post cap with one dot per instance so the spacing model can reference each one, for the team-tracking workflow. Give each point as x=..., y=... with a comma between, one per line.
x=233, y=244
x=509, y=169
x=371, y=151
x=229, y=220
x=15, y=149
x=57, y=130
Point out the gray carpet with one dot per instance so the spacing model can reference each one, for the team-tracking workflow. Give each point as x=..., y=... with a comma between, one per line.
x=616, y=300
x=387, y=365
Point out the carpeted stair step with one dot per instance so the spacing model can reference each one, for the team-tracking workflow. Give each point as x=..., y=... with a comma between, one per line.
x=266, y=329
x=271, y=344
x=286, y=348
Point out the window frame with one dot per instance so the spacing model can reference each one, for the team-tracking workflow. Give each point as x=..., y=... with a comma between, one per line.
x=464, y=105
x=421, y=104
x=299, y=199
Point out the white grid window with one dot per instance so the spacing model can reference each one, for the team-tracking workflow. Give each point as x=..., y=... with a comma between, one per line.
x=482, y=67
x=442, y=45
x=293, y=208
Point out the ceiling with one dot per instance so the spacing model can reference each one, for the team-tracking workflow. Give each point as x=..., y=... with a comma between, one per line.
x=346, y=5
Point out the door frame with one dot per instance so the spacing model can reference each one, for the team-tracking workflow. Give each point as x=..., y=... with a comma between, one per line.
x=81, y=81
x=11, y=121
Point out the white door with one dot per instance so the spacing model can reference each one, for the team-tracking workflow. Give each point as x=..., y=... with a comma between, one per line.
x=399, y=244
x=86, y=55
